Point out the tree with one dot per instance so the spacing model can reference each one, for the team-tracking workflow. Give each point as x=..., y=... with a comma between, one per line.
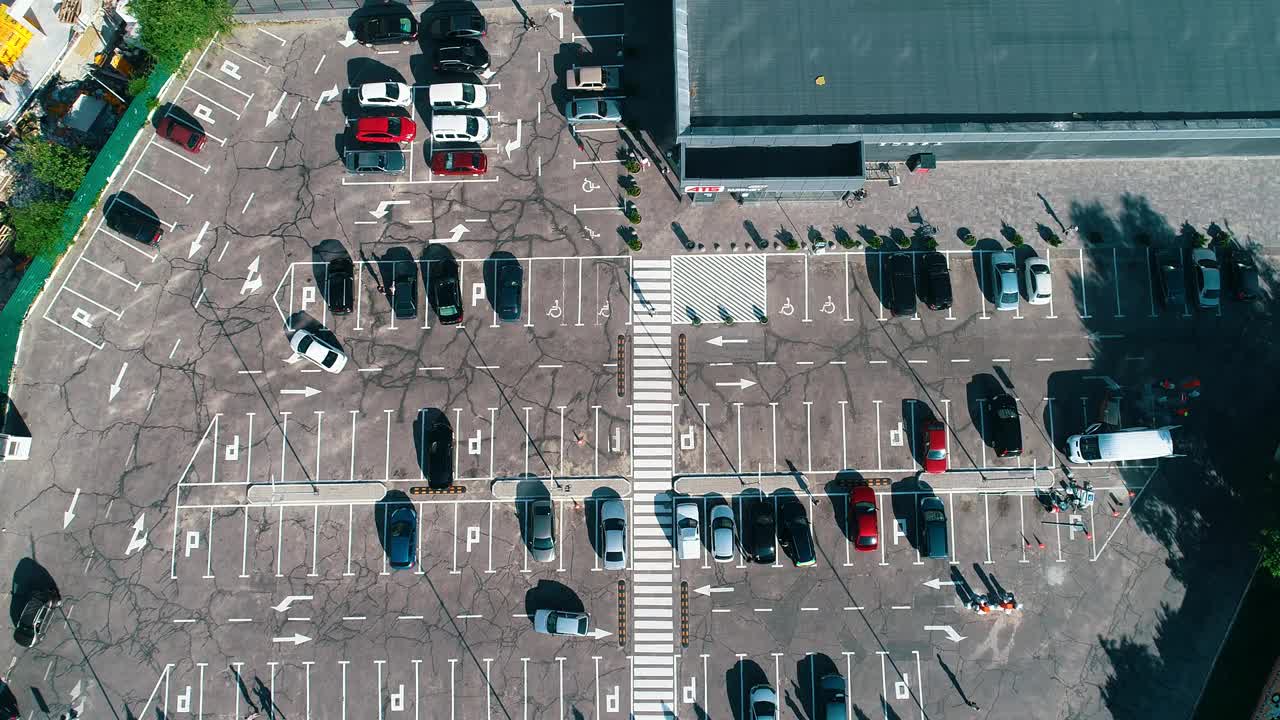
x=55, y=164
x=1269, y=546
x=170, y=28
x=37, y=226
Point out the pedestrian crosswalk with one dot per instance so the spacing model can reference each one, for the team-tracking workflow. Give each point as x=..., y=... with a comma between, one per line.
x=710, y=286
x=652, y=577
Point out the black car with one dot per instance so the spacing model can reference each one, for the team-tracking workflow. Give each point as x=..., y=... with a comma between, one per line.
x=133, y=223
x=339, y=278
x=795, y=535
x=387, y=29
x=463, y=23
x=1246, y=286
x=466, y=56
x=902, y=284
x=402, y=537
x=1006, y=426
x=438, y=443
x=446, y=295
x=372, y=160
x=937, y=281
x=34, y=619
x=1171, y=279
x=404, y=290
x=762, y=535
x=508, y=284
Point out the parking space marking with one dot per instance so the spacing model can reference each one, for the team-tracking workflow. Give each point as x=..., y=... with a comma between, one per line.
x=161, y=183
x=180, y=156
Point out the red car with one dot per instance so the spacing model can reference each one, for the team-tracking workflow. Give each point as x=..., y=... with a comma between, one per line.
x=935, y=458
x=392, y=129
x=459, y=162
x=191, y=139
x=862, y=511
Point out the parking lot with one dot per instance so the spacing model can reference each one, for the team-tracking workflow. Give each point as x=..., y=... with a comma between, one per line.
x=726, y=378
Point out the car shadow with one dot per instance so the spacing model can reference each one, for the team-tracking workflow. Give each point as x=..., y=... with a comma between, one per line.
x=738, y=681
x=29, y=578
x=178, y=114
x=595, y=528
x=750, y=503
x=809, y=671
x=978, y=393
x=877, y=263
x=527, y=492
x=551, y=595
x=784, y=499
x=981, y=255
x=839, y=490
x=915, y=413
x=392, y=501
x=1077, y=397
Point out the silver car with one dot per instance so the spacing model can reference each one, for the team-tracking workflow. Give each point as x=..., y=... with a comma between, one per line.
x=834, y=703
x=1039, y=281
x=561, y=622
x=613, y=515
x=1208, y=277
x=764, y=703
x=592, y=111
x=722, y=533
x=1004, y=280
x=542, y=538
x=688, y=544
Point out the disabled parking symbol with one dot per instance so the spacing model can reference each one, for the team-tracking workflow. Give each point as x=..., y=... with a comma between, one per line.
x=787, y=308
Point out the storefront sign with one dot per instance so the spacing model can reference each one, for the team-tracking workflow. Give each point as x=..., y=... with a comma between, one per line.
x=703, y=188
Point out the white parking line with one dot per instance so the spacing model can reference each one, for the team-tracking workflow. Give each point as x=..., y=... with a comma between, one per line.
x=229, y=86
x=126, y=281
x=180, y=156
x=174, y=190
x=215, y=102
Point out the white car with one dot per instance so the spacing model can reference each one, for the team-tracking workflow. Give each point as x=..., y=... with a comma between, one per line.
x=722, y=533
x=688, y=543
x=1039, y=281
x=457, y=96
x=1208, y=277
x=561, y=622
x=312, y=347
x=460, y=128
x=386, y=94
x=613, y=516
x=589, y=111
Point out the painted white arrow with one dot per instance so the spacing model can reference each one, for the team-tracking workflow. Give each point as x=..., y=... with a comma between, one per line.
x=70, y=513
x=274, y=112
x=252, y=282
x=289, y=600
x=513, y=144
x=600, y=633
x=382, y=207
x=488, y=74
x=326, y=96
x=952, y=635
x=559, y=16
x=721, y=341
x=115, y=386
x=742, y=384
x=296, y=639
x=349, y=40
x=139, y=539
x=195, y=244
x=454, y=236
x=937, y=583
x=308, y=391
x=707, y=590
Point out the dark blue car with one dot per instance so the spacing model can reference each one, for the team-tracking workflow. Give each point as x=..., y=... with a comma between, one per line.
x=402, y=537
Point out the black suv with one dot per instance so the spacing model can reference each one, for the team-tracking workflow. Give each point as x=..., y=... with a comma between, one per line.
x=339, y=278
x=439, y=452
x=446, y=295
x=509, y=286
x=387, y=28
x=404, y=290
x=133, y=223
x=465, y=56
x=1245, y=284
x=796, y=536
x=1006, y=426
x=462, y=23
x=34, y=619
x=902, y=284
x=1171, y=279
x=937, y=284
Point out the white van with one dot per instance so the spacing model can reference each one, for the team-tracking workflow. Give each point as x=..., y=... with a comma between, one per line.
x=459, y=128
x=1137, y=443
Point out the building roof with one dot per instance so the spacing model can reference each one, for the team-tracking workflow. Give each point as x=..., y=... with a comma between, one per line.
x=755, y=62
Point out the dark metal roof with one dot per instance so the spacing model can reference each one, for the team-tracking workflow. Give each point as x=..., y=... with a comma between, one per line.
x=754, y=62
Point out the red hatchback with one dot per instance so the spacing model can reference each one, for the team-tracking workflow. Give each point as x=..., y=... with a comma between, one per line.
x=392, y=129
x=935, y=458
x=862, y=511
x=191, y=139
x=459, y=162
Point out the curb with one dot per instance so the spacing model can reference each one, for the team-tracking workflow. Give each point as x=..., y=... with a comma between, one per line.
x=315, y=493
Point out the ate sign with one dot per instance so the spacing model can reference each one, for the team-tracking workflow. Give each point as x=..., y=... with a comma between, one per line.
x=703, y=188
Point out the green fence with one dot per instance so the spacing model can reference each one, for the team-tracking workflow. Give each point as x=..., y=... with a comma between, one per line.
x=82, y=203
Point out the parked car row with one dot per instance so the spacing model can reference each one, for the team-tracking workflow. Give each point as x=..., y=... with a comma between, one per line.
x=585, y=110
x=456, y=118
